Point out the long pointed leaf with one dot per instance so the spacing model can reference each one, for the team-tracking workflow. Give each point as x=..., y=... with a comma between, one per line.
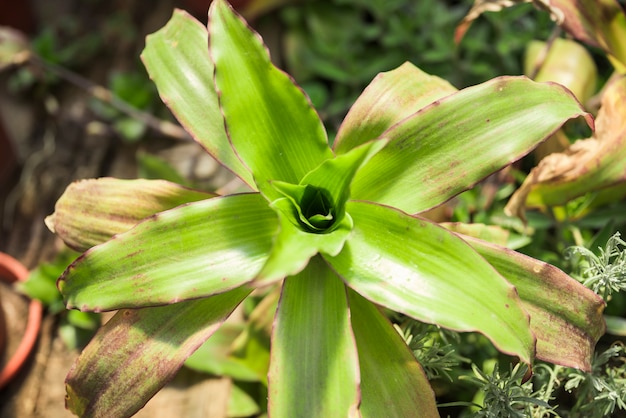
x=109, y=368
x=389, y=98
x=415, y=267
x=565, y=316
x=178, y=62
x=271, y=124
x=457, y=141
x=393, y=383
x=91, y=211
x=189, y=252
x=314, y=368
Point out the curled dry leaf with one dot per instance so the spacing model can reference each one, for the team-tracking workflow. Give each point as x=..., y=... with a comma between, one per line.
x=481, y=6
x=588, y=165
x=599, y=23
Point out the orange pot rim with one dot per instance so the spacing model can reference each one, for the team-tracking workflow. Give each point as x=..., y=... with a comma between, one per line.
x=12, y=271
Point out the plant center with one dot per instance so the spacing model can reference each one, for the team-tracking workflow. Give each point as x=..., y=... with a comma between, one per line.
x=316, y=207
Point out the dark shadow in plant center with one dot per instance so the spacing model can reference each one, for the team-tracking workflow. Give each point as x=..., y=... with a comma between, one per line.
x=317, y=211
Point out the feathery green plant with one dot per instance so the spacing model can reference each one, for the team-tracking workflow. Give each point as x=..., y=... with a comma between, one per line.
x=604, y=273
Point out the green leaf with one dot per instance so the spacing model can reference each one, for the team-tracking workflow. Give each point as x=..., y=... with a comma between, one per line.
x=392, y=382
x=91, y=211
x=271, y=123
x=109, y=369
x=151, y=166
x=213, y=357
x=415, y=267
x=178, y=62
x=314, y=366
x=192, y=251
x=41, y=282
x=241, y=403
x=563, y=61
x=293, y=248
x=390, y=97
x=492, y=233
x=565, y=316
x=308, y=207
x=453, y=143
x=84, y=320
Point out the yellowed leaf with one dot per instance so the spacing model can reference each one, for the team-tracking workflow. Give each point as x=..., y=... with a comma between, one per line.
x=587, y=165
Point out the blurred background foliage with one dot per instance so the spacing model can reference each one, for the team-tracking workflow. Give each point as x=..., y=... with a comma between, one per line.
x=334, y=48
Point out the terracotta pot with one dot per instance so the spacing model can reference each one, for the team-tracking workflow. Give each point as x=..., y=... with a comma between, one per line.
x=12, y=271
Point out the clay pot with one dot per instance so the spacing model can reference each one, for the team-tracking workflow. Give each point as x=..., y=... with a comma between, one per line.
x=12, y=271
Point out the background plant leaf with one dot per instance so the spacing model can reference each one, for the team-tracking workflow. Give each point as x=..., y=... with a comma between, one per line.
x=109, y=368
x=91, y=211
x=252, y=347
x=492, y=233
x=189, y=252
x=178, y=62
x=563, y=61
x=453, y=143
x=213, y=357
x=415, y=267
x=314, y=367
x=270, y=122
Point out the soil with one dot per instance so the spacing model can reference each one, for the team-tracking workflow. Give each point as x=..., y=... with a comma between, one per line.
x=58, y=138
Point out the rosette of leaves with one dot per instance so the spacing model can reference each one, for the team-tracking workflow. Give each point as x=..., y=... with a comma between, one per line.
x=337, y=228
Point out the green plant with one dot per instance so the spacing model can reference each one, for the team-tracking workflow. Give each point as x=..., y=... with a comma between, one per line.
x=505, y=395
x=599, y=393
x=432, y=349
x=604, y=273
x=604, y=390
x=336, y=228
